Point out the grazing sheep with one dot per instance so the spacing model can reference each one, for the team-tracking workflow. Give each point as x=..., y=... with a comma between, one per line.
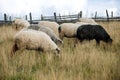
x=48, y=31
x=88, y=20
x=90, y=32
x=84, y=23
x=53, y=25
x=33, y=40
x=19, y=24
x=68, y=30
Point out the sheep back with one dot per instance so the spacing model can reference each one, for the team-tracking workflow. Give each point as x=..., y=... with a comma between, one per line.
x=48, y=31
x=53, y=25
x=31, y=39
x=68, y=30
x=19, y=24
x=88, y=20
x=90, y=32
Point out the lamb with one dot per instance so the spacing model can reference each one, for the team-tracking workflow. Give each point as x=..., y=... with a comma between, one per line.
x=47, y=30
x=88, y=20
x=89, y=32
x=68, y=30
x=33, y=40
x=19, y=24
x=53, y=25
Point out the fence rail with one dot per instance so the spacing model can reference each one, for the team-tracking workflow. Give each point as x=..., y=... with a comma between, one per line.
x=62, y=18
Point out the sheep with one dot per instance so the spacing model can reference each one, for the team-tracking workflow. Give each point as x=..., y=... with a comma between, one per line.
x=84, y=23
x=88, y=20
x=33, y=40
x=19, y=24
x=68, y=30
x=89, y=32
x=53, y=25
x=47, y=30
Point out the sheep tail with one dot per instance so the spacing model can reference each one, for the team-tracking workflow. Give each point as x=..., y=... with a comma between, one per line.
x=14, y=49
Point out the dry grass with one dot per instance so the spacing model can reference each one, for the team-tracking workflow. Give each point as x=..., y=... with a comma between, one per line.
x=84, y=62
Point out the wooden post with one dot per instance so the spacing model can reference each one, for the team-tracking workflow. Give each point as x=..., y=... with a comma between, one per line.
x=10, y=19
x=26, y=18
x=80, y=14
x=5, y=17
x=95, y=15
x=55, y=17
x=107, y=15
x=112, y=14
x=30, y=17
x=41, y=17
x=59, y=16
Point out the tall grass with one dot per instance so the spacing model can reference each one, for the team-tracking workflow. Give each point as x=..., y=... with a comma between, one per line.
x=84, y=62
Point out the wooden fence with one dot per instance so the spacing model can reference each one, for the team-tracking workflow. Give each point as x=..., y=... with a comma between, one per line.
x=62, y=18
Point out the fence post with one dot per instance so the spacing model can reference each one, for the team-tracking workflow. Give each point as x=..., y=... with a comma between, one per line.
x=41, y=17
x=55, y=17
x=112, y=14
x=80, y=14
x=5, y=17
x=30, y=17
x=26, y=18
x=10, y=19
x=95, y=15
x=107, y=15
x=59, y=16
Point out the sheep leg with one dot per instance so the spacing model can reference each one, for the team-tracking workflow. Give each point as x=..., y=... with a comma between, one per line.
x=58, y=52
x=16, y=26
x=14, y=49
x=81, y=41
x=98, y=42
x=61, y=35
x=76, y=42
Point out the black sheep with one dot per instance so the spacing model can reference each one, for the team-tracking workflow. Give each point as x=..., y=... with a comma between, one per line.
x=90, y=32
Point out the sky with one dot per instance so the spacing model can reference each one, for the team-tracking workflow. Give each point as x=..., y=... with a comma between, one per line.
x=64, y=7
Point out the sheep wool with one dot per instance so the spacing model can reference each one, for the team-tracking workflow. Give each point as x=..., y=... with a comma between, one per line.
x=88, y=20
x=53, y=25
x=19, y=24
x=48, y=31
x=68, y=30
x=84, y=23
x=90, y=32
x=32, y=39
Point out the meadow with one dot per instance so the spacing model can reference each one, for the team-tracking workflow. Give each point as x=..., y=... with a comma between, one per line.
x=86, y=61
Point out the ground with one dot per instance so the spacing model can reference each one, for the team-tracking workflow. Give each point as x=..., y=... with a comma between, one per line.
x=86, y=61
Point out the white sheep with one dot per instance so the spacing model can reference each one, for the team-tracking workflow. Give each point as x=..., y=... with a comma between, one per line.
x=47, y=30
x=84, y=23
x=32, y=39
x=53, y=25
x=68, y=30
x=19, y=24
x=88, y=20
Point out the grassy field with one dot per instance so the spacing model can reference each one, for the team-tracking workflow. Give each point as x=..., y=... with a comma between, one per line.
x=84, y=62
